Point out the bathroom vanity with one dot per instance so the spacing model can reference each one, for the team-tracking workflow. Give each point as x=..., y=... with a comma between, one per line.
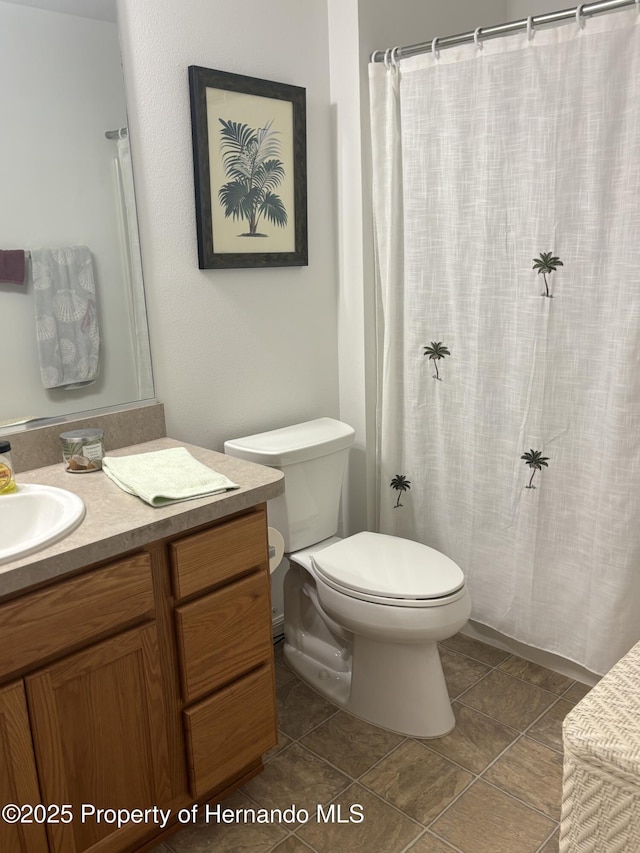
x=136, y=662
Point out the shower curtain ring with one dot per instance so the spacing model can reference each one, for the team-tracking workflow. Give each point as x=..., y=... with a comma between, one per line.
x=436, y=53
x=579, y=16
x=476, y=37
x=529, y=27
x=394, y=54
x=387, y=55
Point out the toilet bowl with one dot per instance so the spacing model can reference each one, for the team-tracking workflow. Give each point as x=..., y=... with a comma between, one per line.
x=362, y=615
x=377, y=656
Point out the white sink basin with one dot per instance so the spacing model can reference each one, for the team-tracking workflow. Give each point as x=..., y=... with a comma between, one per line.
x=33, y=517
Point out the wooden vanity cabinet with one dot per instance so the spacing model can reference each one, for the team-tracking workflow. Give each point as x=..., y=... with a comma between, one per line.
x=225, y=650
x=94, y=724
x=113, y=694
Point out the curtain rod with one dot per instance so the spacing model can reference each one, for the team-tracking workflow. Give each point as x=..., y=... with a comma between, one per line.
x=588, y=9
x=117, y=134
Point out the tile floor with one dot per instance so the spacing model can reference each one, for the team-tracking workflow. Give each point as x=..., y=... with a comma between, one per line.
x=491, y=786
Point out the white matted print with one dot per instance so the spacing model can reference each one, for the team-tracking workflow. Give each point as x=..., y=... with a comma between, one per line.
x=250, y=170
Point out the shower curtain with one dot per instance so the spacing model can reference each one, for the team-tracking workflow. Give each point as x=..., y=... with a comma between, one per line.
x=507, y=229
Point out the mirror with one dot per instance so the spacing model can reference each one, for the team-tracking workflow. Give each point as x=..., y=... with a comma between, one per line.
x=67, y=182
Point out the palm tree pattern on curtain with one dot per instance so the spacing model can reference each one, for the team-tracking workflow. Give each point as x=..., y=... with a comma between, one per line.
x=435, y=352
x=535, y=460
x=400, y=484
x=251, y=160
x=546, y=264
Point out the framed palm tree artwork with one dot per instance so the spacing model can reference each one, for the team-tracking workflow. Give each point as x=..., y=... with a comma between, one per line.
x=249, y=155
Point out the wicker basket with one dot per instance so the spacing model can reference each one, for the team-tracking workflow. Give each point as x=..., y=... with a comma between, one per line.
x=601, y=785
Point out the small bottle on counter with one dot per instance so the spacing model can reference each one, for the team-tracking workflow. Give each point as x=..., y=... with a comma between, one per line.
x=7, y=479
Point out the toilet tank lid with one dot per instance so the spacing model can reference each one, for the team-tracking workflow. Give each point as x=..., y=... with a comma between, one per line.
x=291, y=444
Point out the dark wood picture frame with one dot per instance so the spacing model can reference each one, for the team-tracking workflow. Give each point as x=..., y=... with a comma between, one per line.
x=263, y=162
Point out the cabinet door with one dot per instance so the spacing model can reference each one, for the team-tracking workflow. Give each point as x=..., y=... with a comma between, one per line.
x=18, y=781
x=100, y=738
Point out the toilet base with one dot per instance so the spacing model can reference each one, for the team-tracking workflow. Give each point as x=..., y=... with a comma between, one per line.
x=400, y=687
x=384, y=672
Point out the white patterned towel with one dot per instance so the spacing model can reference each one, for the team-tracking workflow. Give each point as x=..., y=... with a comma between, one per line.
x=66, y=321
x=165, y=476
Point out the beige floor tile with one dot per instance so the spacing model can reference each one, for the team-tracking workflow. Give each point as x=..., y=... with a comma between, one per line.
x=228, y=837
x=552, y=844
x=485, y=820
x=508, y=699
x=283, y=741
x=475, y=741
x=460, y=672
x=297, y=777
x=548, y=729
x=300, y=708
x=576, y=692
x=417, y=781
x=475, y=649
x=533, y=773
x=428, y=843
x=421, y=781
x=278, y=652
x=382, y=829
x=353, y=745
x=292, y=844
x=538, y=675
x=283, y=674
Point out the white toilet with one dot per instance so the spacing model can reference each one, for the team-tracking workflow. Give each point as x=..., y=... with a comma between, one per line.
x=362, y=615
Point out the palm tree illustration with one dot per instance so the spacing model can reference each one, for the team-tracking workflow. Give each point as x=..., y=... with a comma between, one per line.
x=535, y=460
x=251, y=161
x=401, y=484
x=435, y=352
x=546, y=264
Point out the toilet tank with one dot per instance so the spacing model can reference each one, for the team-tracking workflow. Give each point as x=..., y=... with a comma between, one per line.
x=312, y=456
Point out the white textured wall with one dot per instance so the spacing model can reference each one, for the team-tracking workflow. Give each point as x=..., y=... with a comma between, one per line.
x=517, y=9
x=234, y=351
x=61, y=90
x=385, y=24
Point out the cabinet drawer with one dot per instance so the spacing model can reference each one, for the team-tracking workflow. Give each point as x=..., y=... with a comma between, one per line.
x=215, y=556
x=48, y=622
x=224, y=634
x=230, y=730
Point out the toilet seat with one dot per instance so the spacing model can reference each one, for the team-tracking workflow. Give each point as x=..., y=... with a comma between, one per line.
x=389, y=570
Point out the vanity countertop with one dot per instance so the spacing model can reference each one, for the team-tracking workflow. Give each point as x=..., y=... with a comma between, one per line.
x=116, y=522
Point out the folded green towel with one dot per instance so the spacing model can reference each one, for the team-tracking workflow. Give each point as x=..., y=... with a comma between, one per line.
x=165, y=476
